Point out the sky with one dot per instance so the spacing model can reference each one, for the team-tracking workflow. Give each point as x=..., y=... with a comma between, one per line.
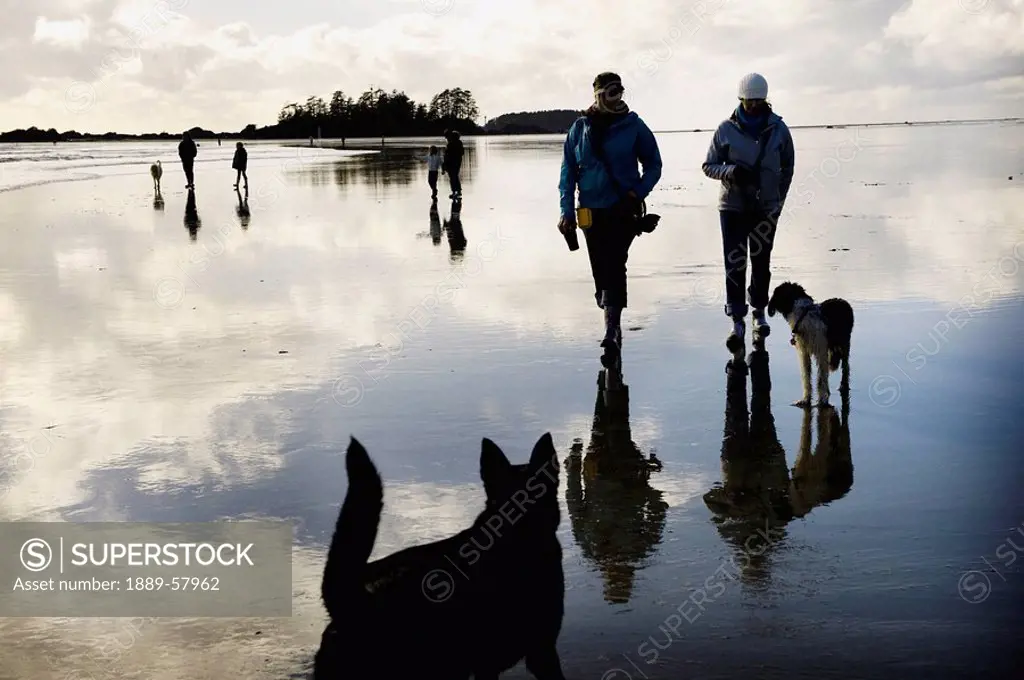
x=166, y=65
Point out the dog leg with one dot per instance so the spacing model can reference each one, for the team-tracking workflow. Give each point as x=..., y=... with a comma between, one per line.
x=544, y=664
x=844, y=382
x=823, y=392
x=805, y=373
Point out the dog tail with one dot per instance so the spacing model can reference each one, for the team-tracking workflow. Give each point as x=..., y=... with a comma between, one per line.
x=355, y=532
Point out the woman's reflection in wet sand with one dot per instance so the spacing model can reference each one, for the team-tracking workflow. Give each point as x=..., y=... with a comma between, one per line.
x=617, y=518
x=192, y=221
x=757, y=497
x=242, y=209
x=456, y=236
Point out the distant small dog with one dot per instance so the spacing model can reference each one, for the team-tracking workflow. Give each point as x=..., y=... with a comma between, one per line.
x=821, y=331
x=156, y=171
x=473, y=604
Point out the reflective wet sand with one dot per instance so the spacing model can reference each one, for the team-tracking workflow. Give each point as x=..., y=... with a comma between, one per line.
x=170, y=362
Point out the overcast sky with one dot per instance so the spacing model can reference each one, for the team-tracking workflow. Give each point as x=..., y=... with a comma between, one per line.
x=152, y=65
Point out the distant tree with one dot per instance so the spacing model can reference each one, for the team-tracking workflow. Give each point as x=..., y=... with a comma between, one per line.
x=316, y=109
x=289, y=111
x=375, y=113
x=454, y=104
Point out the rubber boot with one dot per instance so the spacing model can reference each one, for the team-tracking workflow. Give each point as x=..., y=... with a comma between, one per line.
x=612, y=329
x=736, y=338
x=761, y=327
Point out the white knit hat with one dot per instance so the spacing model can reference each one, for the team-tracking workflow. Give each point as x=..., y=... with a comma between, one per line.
x=753, y=86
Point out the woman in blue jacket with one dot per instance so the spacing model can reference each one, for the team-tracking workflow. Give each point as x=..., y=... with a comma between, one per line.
x=752, y=154
x=600, y=156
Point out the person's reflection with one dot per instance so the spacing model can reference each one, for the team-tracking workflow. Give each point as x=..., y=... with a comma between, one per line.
x=242, y=209
x=751, y=506
x=435, y=224
x=456, y=236
x=757, y=498
x=158, y=200
x=192, y=221
x=617, y=517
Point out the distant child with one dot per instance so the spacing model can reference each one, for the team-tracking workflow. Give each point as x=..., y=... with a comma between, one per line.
x=433, y=167
x=240, y=162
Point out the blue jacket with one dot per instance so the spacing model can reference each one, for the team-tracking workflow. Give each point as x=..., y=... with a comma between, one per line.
x=731, y=145
x=628, y=140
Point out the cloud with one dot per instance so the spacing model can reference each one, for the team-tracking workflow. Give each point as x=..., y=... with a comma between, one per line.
x=825, y=61
x=61, y=33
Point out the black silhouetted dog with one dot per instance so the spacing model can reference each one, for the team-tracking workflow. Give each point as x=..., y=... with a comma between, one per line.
x=473, y=604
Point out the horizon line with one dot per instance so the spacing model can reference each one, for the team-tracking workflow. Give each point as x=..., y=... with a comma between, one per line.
x=662, y=131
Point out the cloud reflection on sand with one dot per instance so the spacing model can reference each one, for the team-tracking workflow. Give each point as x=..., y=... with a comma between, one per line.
x=157, y=407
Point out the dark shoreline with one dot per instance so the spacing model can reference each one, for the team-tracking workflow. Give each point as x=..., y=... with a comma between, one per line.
x=10, y=138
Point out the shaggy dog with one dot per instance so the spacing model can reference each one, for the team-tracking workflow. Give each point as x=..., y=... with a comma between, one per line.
x=472, y=604
x=156, y=171
x=821, y=331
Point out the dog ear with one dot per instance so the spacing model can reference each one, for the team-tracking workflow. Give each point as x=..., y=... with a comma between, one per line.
x=544, y=453
x=771, y=306
x=494, y=465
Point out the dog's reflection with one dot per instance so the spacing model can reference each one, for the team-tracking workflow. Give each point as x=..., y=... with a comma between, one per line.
x=158, y=200
x=456, y=236
x=826, y=475
x=192, y=221
x=242, y=209
x=757, y=497
x=435, y=224
x=617, y=517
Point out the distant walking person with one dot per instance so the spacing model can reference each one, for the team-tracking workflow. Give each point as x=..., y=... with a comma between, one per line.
x=239, y=163
x=434, y=163
x=453, y=153
x=752, y=154
x=600, y=157
x=187, y=154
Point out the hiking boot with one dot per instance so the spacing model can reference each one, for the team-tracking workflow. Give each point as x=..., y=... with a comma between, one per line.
x=761, y=327
x=735, y=340
x=612, y=341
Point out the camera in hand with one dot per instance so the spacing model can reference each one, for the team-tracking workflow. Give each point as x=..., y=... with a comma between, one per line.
x=648, y=223
x=572, y=239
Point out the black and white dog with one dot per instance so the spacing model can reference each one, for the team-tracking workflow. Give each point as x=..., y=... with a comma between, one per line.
x=821, y=331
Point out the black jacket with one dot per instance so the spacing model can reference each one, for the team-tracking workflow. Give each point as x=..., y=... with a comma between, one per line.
x=187, y=150
x=241, y=159
x=453, y=154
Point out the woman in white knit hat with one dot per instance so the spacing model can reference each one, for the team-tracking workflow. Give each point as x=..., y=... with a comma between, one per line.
x=752, y=155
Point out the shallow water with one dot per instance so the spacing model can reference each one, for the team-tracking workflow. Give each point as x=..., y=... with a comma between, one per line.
x=143, y=379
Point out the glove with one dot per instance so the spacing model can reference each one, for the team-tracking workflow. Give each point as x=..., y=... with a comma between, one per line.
x=741, y=175
x=566, y=223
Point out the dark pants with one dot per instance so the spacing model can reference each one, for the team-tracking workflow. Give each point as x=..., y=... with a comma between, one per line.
x=608, y=242
x=746, y=236
x=432, y=181
x=453, y=177
x=187, y=165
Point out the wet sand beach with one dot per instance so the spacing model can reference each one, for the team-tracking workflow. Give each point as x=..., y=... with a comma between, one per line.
x=164, y=361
